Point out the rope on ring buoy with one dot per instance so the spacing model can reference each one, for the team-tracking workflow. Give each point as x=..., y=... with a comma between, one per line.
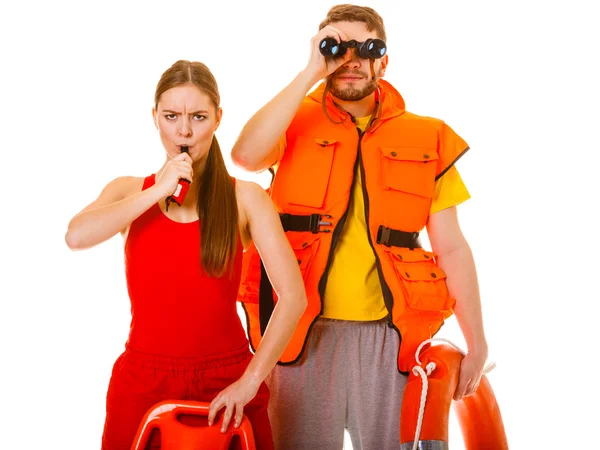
x=418, y=371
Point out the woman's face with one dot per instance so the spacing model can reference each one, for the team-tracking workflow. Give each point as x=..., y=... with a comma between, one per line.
x=185, y=116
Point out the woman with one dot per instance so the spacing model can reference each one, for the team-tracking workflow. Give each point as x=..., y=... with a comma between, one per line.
x=183, y=266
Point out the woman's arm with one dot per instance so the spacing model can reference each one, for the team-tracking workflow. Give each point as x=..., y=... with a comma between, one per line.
x=282, y=268
x=121, y=202
x=114, y=209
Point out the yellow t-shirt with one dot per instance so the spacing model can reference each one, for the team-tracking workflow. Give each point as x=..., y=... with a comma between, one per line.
x=353, y=291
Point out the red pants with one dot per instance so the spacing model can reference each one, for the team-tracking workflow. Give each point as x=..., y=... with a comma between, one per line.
x=139, y=381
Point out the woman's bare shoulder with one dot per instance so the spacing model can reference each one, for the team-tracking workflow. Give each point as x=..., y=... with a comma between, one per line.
x=125, y=186
x=250, y=194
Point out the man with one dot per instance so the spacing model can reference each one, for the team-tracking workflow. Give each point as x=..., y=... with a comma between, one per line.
x=357, y=177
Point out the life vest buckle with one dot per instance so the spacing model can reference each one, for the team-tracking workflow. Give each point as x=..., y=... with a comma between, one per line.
x=383, y=235
x=312, y=223
x=397, y=238
x=315, y=223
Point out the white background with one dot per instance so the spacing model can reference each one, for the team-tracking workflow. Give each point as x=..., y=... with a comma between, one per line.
x=517, y=79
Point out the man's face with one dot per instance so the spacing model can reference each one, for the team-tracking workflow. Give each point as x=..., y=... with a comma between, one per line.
x=353, y=81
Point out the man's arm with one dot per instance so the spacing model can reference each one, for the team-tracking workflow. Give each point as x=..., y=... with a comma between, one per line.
x=256, y=147
x=455, y=258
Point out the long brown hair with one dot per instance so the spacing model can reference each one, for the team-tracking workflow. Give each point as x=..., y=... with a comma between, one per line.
x=217, y=205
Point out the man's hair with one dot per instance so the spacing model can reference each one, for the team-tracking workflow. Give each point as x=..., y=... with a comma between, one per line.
x=353, y=13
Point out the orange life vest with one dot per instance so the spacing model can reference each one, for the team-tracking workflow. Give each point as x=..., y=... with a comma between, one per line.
x=400, y=157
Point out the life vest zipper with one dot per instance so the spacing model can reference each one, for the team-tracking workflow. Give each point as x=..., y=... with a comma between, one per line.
x=388, y=298
x=336, y=234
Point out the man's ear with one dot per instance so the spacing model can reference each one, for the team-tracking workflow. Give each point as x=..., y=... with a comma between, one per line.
x=384, y=63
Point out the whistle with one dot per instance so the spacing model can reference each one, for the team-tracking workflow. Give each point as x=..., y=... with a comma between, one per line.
x=182, y=187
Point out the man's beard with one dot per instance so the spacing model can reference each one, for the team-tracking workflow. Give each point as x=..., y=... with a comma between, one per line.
x=351, y=93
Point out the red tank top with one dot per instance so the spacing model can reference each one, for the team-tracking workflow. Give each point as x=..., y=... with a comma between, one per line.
x=176, y=308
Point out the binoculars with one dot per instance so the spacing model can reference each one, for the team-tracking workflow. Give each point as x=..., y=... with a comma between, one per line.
x=371, y=48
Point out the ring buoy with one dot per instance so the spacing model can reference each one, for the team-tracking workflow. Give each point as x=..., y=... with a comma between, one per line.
x=478, y=415
x=175, y=435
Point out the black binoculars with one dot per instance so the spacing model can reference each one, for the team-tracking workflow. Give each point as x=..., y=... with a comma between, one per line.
x=371, y=48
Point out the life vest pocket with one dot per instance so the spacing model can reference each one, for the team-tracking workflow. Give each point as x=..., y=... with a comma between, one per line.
x=408, y=169
x=423, y=282
x=305, y=246
x=312, y=162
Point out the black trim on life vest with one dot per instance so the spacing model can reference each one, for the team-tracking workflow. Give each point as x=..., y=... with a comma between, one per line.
x=388, y=298
x=338, y=228
x=452, y=164
x=266, y=303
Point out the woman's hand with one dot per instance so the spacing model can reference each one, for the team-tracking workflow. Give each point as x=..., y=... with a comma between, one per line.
x=174, y=169
x=233, y=398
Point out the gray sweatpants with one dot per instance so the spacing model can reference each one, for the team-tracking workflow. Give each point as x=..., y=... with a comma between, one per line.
x=347, y=379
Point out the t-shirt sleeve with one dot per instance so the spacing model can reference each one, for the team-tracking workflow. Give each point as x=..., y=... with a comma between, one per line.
x=450, y=190
x=450, y=148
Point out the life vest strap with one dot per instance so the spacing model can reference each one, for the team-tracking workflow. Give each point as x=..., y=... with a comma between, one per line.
x=312, y=222
x=397, y=238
